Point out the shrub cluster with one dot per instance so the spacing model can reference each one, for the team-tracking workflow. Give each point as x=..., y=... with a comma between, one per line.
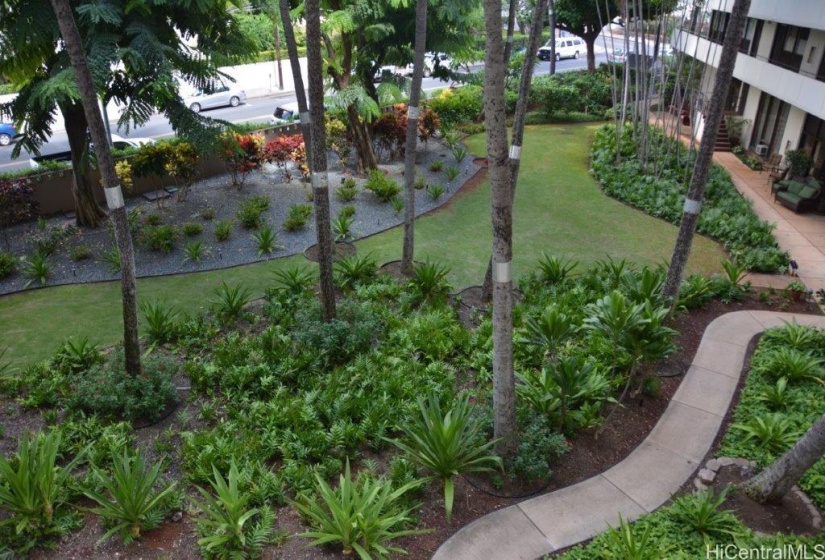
x=726, y=216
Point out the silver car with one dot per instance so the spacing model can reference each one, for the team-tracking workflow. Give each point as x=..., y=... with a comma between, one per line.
x=221, y=96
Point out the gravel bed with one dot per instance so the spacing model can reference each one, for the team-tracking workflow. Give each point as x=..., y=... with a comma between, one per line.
x=217, y=194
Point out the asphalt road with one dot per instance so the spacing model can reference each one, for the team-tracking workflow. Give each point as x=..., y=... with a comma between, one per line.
x=257, y=109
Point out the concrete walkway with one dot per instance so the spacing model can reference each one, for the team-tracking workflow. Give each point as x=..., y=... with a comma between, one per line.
x=648, y=477
x=802, y=235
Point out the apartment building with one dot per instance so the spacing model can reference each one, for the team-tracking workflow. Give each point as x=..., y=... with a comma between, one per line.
x=779, y=78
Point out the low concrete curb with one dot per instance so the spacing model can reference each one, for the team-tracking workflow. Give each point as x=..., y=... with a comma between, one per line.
x=648, y=477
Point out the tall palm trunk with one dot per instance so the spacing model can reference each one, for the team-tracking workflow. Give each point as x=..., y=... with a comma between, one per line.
x=114, y=196
x=518, y=123
x=775, y=481
x=412, y=135
x=318, y=157
x=298, y=80
x=504, y=401
x=511, y=25
x=713, y=118
x=87, y=211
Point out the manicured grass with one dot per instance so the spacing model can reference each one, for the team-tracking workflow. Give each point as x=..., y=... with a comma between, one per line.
x=559, y=210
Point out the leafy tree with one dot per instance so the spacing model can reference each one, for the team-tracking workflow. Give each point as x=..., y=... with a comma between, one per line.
x=144, y=41
x=582, y=19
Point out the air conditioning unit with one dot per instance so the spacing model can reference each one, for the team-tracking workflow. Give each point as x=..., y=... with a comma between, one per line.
x=761, y=150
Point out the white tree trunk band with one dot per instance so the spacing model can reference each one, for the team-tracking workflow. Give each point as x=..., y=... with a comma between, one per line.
x=692, y=206
x=515, y=152
x=114, y=197
x=412, y=112
x=320, y=180
x=304, y=117
x=509, y=38
x=502, y=272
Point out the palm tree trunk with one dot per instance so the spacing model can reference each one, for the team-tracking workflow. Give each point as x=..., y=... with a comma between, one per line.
x=318, y=157
x=114, y=196
x=87, y=211
x=298, y=80
x=511, y=24
x=776, y=480
x=412, y=135
x=713, y=118
x=504, y=402
x=518, y=123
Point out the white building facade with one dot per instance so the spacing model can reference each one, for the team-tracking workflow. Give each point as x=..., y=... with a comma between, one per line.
x=779, y=77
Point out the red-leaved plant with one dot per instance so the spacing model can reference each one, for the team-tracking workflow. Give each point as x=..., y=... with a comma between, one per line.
x=285, y=150
x=241, y=153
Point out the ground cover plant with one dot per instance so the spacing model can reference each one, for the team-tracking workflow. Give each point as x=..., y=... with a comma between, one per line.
x=780, y=401
x=285, y=401
x=726, y=215
x=772, y=413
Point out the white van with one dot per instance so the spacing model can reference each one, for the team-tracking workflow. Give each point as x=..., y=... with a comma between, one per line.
x=566, y=47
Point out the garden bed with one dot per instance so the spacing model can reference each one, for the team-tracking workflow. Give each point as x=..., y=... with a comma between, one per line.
x=211, y=202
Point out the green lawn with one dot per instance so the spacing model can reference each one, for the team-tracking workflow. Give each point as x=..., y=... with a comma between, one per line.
x=559, y=210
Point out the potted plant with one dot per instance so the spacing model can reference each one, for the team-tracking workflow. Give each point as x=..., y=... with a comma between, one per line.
x=799, y=161
x=795, y=290
x=736, y=125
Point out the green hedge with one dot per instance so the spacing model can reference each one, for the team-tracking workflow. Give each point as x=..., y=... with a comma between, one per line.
x=462, y=105
x=726, y=216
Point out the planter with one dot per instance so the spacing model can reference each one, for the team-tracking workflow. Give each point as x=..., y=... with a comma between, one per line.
x=343, y=249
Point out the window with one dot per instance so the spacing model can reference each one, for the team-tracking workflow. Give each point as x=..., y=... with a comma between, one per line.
x=769, y=125
x=750, y=39
x=789, y=46
x=813, y=142
x=718, y=26
x=737, y=96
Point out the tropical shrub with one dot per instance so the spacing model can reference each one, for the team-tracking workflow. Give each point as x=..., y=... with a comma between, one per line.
x=136, y=498
x=191, y=229
x=362, y=514
x=726, y=216
x=347, y=191
x=384, y=187
x=160, y=238
x=448, y=443
x=297, y=216
x=229, y=528
x=457, y=106
x=182, y=165
x=8, y=264
x=17, y=202
x=250, y=212
x=286, y=151
x=223, y=230
x=241, y=153
x=108, y=391
x=34, y=492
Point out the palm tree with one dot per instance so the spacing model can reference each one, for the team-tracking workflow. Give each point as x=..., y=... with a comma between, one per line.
x=412, y=135
x=298, y=80
x=106, y=163
x=713, y=118
x=504, y=401
x=318, y=157
x=518, y=121
x=775, y=481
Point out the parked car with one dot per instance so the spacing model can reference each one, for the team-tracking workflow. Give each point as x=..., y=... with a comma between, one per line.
x=442, y=60
x=617, y=55
x=286, y=113
x=221, y=96
x=386, y=72
x=118, y=143
x=566, y=47
x=7, y=133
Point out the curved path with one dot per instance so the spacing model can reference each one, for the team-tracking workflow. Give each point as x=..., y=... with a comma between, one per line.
x=647, y=478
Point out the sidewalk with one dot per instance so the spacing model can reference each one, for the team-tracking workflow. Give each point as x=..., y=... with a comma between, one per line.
x=648, y=477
